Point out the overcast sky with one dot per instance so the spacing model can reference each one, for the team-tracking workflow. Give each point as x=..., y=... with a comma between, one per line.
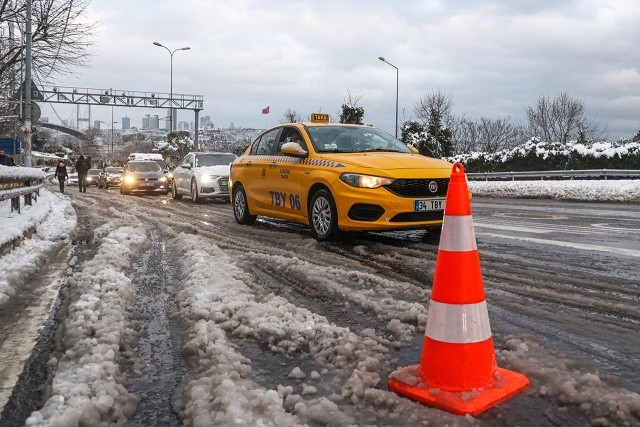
x=494, y=58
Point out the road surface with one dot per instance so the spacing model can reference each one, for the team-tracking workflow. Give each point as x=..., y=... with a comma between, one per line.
x=322, y=325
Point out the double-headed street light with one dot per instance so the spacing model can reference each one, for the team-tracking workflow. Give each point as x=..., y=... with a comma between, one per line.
x=397, y=78
x=171, y=52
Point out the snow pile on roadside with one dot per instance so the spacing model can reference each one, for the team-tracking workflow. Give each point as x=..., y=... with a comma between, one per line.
x=88, y=387
x=51, y=217
x=218, y=390
x=596, y=191
x=218, y=302
x=570, y=383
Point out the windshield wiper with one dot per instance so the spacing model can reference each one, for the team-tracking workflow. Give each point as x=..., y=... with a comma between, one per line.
x=380, y=150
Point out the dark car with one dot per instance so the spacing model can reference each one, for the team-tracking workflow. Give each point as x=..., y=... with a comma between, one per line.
x=92, y=177
x=110, y=177
x=143, y=176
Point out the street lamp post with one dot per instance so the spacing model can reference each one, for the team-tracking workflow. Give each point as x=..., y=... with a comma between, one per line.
x=112, y=123
x=397, y=78
x=171, y=52
x=112, y=156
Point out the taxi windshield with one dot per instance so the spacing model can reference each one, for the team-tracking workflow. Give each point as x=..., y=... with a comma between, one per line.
x=353, y=139
x=214, y=159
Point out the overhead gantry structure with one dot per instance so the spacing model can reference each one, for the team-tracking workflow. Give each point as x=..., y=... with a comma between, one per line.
x=124, y=98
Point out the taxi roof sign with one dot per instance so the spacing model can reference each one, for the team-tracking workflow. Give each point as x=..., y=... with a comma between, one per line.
x=319, y=118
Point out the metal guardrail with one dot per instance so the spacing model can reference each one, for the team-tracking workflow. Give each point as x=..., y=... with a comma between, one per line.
x=14, y=188
x=557, y=175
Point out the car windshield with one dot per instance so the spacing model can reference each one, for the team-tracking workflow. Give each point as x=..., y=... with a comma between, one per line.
x=163, y=165
x=353, y=139
x=150, y=166
x=94, y=171
x=113, y=170
x=213, y=159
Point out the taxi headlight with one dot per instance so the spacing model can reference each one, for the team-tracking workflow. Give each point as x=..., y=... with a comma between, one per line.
x=365, y=181
x=89, y=178
x=162, y=179
x=129, y=179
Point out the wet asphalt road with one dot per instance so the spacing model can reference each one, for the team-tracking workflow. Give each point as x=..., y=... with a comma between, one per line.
x=563, y=273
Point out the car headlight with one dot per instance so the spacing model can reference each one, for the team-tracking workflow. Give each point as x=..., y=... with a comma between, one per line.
x=170, y=175
x=129, y=180
x=205, y=179
x=89, y=178
x=365, y=181
x=163, y=179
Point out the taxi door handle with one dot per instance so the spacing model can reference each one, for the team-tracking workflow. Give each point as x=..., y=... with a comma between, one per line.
x=248, y=163
x=273, y=164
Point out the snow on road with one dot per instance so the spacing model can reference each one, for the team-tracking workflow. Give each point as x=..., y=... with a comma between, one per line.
x=219, y=308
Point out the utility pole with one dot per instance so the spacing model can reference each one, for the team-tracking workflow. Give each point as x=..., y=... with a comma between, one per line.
x=27, y=87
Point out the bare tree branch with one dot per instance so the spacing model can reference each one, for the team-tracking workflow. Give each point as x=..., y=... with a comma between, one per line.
x=561, y=119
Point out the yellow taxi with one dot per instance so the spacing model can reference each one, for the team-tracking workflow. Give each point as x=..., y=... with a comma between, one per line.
x=338, y=177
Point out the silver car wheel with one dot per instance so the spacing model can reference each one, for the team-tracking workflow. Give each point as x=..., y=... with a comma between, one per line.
x=321, y=215
x=241, y=207
x=240, y=204
x=194, y=192
x=174, y=192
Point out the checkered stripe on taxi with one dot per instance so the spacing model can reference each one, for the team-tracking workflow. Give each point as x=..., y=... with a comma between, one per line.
x=310, y=162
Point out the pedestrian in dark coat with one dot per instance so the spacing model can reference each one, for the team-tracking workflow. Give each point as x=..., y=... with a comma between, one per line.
x=61, y=175
x=82, y=167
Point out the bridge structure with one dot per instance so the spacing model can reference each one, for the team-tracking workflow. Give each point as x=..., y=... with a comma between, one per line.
x=64, y=129
x=122, y=98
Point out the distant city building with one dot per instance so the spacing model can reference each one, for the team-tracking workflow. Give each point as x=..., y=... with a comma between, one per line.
x=126, y=123
x=231, y=126
x=205, y=121
x=182, y=125
x=149, y=123
x=96, y=124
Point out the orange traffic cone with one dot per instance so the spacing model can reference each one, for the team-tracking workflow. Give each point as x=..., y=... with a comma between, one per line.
x=457, y=370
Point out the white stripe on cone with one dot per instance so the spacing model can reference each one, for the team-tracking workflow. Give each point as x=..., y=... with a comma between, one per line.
x=458, y=323
x=457, y=234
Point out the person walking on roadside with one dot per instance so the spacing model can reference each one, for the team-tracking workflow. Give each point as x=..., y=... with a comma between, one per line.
x=61, y=175
x=82, y=167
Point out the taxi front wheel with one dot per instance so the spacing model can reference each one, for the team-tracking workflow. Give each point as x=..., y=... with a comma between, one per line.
x=323, y=216
x=241, y=207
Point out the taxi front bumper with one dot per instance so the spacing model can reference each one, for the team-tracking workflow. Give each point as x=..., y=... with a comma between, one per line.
x=362, y=209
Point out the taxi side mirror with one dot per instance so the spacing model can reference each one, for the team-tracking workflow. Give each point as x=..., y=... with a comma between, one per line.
x=293, y=149
x=414, y=149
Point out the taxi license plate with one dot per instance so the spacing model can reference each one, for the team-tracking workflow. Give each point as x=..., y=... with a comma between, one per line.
x=147, y=184
x=429, y=205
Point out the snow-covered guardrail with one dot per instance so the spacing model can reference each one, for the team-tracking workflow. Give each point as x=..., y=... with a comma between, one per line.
x=557, y=175
x=17, y=181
